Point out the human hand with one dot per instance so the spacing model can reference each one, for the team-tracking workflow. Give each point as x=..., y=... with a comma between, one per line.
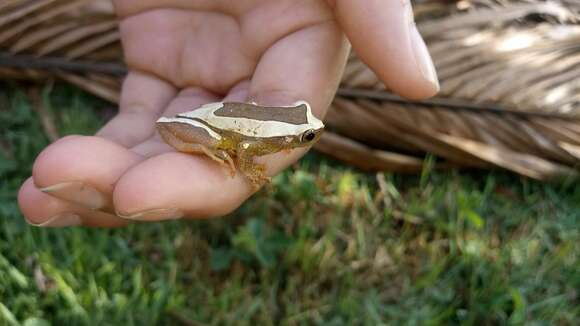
x=184, y=53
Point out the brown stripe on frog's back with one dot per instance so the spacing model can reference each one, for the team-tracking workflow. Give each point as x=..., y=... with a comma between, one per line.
x=294, y=115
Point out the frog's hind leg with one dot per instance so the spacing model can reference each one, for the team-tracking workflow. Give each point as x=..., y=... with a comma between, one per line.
x=219, y=156
x=255, y=172
x=175, y=137
x=226, y=159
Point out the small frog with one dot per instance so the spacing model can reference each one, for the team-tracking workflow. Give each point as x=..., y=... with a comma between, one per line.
x=233, y=134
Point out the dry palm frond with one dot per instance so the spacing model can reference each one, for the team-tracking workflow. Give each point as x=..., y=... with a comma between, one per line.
x=509, y=70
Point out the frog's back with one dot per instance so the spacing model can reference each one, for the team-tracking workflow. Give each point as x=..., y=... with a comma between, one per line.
x=296, y=115
x=261, y=121
x=203, y=113
x=256, y=121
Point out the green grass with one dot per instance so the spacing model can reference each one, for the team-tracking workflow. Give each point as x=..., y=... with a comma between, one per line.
x=324, y=244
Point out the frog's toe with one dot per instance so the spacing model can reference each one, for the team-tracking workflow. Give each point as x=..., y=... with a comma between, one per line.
x=257, y=179
x=266, y=180
x=231, y=167
x=227, y=162
x=258, y=183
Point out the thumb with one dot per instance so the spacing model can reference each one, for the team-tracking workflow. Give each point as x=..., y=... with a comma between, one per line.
x=384, y=36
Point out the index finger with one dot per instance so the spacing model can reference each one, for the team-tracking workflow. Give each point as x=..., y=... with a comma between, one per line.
x=306, y=65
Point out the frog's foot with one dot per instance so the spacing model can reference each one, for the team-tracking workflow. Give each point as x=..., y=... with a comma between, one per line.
x=256, y=173
x=222, y=157
x=226, y=160
x=257, y=176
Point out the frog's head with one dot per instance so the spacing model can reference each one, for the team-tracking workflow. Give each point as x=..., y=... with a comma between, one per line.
x=307, y=138
x=305, y=133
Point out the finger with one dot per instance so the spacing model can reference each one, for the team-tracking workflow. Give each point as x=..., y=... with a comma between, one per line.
x=239, y=92
x=306, y=65
x=384, y=36
x=175, y=185
x=43, y=210
x=125, y=8
x=143, y=98
x=82, y=170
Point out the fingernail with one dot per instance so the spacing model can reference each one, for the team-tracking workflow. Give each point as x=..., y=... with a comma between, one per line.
x=79, y=193
x=154, y=215
x=58, y=221
x=421, y=52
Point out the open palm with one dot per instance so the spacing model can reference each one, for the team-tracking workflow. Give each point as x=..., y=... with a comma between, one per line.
x=185, y=53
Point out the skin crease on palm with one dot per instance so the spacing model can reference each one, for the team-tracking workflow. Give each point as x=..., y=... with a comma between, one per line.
x=184, y=53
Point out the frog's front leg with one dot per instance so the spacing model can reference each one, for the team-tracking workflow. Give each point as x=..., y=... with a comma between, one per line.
x=255, y=172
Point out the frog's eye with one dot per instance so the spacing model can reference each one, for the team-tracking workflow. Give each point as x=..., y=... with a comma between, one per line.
x=308, y=136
